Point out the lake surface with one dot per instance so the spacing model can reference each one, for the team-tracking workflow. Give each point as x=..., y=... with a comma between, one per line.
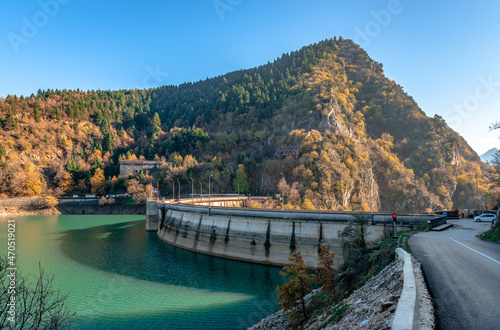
x=121, y=277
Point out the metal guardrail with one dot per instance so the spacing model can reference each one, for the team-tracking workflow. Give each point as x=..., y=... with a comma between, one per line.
x=376, y=218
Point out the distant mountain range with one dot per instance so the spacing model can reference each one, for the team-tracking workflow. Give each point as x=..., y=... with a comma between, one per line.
x=488, y=155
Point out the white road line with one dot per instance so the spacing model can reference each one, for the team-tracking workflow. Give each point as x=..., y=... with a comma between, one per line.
x=484, y=255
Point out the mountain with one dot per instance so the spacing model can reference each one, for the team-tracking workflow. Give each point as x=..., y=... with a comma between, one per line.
x=488, y=155
x=324, y=118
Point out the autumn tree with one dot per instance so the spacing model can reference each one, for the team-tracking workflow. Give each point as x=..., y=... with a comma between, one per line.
x=284, y=188
x=325, y=275
x=307, y=205
x=106, y=201
x=64, y=180
x=149, y=188
x=33, y=180
x=97, y=182
x=137, y=190
x=176, y=159
x=294, y=195
x=50, y=201
x=292, y=294
x=189, y=161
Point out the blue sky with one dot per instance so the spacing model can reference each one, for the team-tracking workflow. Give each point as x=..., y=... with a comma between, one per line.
x=445, y=55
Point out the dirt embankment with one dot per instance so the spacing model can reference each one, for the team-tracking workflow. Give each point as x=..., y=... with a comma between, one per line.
x=370, y=307
x=34, y=206
x=8, y=211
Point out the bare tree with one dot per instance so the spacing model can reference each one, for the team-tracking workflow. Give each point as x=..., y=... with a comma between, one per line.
x=494, y=174
x=354, y=251
x=283, y=186
x=38, y=305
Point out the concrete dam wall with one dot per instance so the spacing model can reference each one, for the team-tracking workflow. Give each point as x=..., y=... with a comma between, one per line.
x=262, y=236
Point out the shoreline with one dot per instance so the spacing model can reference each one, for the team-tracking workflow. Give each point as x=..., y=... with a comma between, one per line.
x=5, y=212
x=59, y=209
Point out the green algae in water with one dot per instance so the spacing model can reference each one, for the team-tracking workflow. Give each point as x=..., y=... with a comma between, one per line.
x=119, y=276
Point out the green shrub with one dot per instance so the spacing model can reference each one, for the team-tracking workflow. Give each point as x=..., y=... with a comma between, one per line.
x=490, y=236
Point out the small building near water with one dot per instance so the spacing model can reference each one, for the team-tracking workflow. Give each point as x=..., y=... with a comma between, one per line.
x=128, y=167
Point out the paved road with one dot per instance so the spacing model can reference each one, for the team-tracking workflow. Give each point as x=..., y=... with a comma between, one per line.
x=463, y=274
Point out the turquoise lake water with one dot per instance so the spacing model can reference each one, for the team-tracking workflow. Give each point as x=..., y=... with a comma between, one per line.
x=121, y=277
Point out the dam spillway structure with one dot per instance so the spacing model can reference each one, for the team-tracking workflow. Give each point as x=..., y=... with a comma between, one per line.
x=265, y=236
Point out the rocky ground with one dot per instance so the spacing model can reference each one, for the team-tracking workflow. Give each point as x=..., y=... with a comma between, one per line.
x=370, y=307
x=8, y=211
x=101, y=209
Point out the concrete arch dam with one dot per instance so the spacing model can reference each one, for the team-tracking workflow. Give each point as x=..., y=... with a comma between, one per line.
x=261, y=235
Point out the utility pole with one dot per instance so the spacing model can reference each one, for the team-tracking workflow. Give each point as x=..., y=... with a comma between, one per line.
x=282, y=193
x=157, y=191
x=201, y=193
x=173, y=191
x=394, y=219
x=179, y=190
x=209, y=192
x=192, y=190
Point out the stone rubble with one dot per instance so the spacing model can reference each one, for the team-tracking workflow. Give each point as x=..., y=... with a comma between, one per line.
x=370, y=307
x=373, y=305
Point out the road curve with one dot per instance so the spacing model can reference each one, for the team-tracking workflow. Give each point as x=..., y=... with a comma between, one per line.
x=463, y=274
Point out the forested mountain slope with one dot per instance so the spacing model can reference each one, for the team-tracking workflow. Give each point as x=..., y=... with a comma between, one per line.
x=325, y=117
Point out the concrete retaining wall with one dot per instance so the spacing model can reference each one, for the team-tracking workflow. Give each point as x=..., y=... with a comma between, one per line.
x=152, y=211
x=79, y=201
x=261, y=235
x=441, y=220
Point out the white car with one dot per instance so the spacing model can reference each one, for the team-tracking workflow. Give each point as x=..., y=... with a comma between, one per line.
x=485, y=217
